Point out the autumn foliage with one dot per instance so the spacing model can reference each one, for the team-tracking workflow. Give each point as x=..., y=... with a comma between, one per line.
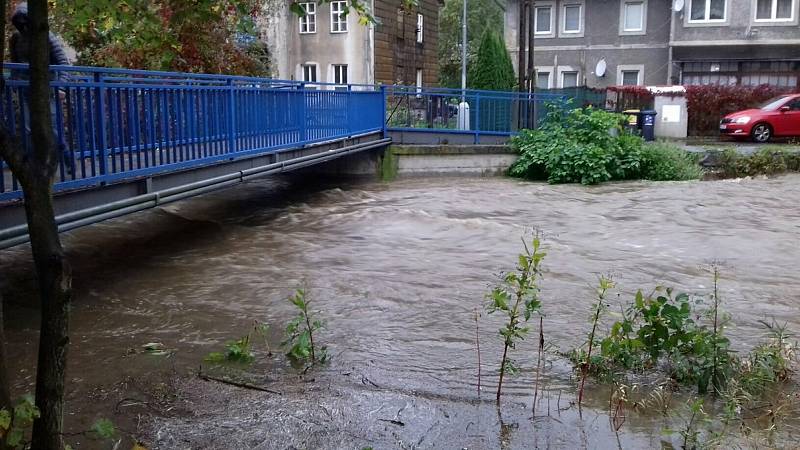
x=210, y=36
x=708, y=104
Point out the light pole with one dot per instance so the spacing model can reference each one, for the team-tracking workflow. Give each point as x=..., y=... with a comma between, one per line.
x=464, y=53
x=463, y=107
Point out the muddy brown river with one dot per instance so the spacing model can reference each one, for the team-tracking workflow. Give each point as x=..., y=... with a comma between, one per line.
x=397, y=271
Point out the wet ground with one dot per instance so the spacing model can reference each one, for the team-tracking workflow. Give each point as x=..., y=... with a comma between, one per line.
x=397, y=272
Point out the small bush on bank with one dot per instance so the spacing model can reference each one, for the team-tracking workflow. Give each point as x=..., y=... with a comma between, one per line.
x=663, y=162
x=590, y=146
x=767, y=161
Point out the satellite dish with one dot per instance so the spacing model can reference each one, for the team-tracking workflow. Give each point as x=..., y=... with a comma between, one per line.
x=677, y=5
x=600, y=70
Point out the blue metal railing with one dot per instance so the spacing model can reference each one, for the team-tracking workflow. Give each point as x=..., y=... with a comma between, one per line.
x=113, y=124
x=491, y=113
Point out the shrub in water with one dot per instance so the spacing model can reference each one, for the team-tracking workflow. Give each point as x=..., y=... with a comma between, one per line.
x=589, y=146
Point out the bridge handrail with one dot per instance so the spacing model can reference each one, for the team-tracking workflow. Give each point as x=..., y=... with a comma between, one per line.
x=113, y=124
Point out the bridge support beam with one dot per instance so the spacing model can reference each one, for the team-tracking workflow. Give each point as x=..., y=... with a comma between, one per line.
x=83, y=207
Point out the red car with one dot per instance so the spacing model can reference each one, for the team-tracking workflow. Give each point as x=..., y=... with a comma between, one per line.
x=779, y=116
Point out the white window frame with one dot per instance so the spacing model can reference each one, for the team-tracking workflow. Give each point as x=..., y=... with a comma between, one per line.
x=338, y=18
x=420, y=23
x=536, y=8
x=546, y=69
x=562, y=29
x=623, y=9
x=631, y=68
x=336, y=71
x=303, y=68
x=706, y=20
x=311, y=13
x=562, y=70
x=792, y=20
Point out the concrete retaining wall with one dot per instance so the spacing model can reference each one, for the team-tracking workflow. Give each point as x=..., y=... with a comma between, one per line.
x=431, y=160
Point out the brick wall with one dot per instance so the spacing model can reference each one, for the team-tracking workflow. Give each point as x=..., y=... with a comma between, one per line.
x=397, y=53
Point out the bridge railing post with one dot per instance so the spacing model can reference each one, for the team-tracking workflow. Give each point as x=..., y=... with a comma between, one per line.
x=303, y=120
x=350, y=115
x=384, y=104
x=100, y=98
x=231, y=116
x=477, y=117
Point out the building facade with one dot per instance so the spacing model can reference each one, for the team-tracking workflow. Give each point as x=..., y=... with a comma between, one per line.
x=599, y=43
x=327, y=45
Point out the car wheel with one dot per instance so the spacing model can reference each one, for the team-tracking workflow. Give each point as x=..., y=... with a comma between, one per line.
x=761, y=133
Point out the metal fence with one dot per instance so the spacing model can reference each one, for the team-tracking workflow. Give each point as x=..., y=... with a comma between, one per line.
x=115, y=124
x=491, y=113
x=112, y=124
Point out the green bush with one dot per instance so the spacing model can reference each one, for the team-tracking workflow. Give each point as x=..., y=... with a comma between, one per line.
x=664, y=162
x=590, y=146
x=767, y=161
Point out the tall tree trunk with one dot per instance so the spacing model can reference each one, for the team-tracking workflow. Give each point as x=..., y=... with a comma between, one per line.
x=35, y=172
x=5, y=392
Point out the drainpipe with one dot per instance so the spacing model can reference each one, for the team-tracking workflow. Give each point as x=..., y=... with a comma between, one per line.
x=672, y=15
x=531, y=25
x=521, y=45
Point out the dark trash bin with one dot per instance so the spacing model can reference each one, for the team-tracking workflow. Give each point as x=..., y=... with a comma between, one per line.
x=647, y=123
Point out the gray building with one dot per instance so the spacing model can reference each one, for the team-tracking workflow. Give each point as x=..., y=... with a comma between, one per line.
x=659, y=42
x=330, y=45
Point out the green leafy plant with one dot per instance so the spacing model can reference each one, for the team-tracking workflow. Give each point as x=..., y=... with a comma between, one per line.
x=237, y=351
x=602, y=289
x=590, y=146
x=14, y=424
x=104, y=429
x=518, y=298
x=766, y=161
x=300, y=333
x=661, y=161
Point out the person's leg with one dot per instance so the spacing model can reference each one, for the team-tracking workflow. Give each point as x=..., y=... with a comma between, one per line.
x=57, y=123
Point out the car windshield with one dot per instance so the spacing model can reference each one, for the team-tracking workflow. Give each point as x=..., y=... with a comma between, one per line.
x=773, y=103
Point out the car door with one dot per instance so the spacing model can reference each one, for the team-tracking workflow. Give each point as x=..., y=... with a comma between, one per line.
x=787, y=123
x=792, y=118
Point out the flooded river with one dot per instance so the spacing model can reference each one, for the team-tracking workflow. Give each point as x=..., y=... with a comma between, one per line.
x=397, y=272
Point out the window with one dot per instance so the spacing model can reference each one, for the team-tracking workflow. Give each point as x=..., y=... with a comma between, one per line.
x=340, y=73
x=569, y=79
x=630, y=77
x=707, y=11
x=308, y=23
x=339, y=17
x=542, y=80
x=419, y=81
x=420, y=18
x=794, y=105
x=633, y=16
x=572, y=18
x=310, y=73
x=775, y=10
x=544, y=20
